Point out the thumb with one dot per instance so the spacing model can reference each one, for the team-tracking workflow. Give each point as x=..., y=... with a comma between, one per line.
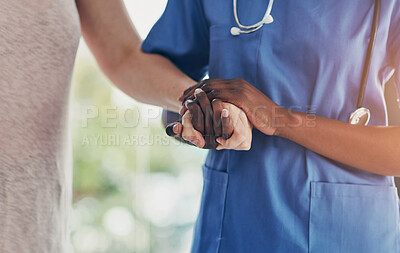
x=174, y=129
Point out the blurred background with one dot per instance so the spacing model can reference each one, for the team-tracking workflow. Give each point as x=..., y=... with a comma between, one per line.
x=135, y=189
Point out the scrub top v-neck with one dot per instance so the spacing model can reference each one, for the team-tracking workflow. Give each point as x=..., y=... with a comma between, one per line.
x=281, y=197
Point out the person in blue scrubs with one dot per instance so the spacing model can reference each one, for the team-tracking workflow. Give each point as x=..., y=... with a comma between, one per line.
x=311, y=182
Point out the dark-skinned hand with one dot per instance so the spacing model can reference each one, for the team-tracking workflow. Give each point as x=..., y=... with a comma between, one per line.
x=205, y=117
x=257, y=106
x=230, y=116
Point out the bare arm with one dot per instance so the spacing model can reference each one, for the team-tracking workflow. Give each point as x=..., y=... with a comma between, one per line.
x=372, y=148
x=112, y=38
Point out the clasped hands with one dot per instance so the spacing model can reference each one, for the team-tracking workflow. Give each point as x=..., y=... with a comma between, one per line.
x=218, y=114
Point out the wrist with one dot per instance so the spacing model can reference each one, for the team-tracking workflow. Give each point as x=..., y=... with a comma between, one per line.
x=176, y=91
x=285, y=122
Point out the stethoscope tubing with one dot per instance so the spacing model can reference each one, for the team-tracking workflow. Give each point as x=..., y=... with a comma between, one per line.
x=368, y=59
x=256, y=26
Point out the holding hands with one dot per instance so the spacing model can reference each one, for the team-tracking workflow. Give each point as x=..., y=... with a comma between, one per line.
x=256, y=105
x=220, y=114
x=212, y=125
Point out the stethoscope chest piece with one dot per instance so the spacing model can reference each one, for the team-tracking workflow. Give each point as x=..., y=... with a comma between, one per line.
x=360, y=116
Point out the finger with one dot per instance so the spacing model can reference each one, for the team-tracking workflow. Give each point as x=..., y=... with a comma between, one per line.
x=189, y=97
x=191, y=89
x=196, y=115
x=184, y=97
x=217, y=122
x=183, y=110
x=227, y=124
x=236, y=141
x=245, y=145
x=178, y=128
x=168, y=129
x=217, y=85
x=208, y=115
x=189, y=133
x=232, y=143
x=225, y=95
x=188, y=93
x=174, y=129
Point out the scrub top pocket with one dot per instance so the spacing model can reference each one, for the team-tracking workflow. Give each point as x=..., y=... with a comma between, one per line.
x=208, y=228
x=350, y=218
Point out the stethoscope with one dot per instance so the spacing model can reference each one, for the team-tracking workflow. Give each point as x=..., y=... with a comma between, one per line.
x=361, y=115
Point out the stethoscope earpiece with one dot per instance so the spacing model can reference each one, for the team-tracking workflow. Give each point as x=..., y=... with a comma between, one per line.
x=268, y=19
x=235, y=31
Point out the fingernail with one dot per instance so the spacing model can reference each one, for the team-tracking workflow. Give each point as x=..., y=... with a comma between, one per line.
x=225, y=113
x=196, y=142
x=175, y=128
x=197, y=91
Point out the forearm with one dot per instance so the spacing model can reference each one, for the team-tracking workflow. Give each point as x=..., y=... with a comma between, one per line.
x=112, y=38
x=151, y=79
x=372, y=148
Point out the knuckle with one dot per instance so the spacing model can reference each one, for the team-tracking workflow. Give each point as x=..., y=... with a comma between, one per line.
x=216, y=100
x=191, y=103
x=192, y=110
x=188, y=137
x=245, y=93
x=188, y=89
x=239, y=79
x=205, y=85
x=205, y=82
x=228, y=143
x=185, y=137
x=244, y=147
x=215, y=92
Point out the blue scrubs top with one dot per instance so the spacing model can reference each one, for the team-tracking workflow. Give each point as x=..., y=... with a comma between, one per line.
x=280, y=196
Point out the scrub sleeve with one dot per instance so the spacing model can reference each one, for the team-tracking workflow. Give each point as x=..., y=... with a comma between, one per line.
x=181, y=35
